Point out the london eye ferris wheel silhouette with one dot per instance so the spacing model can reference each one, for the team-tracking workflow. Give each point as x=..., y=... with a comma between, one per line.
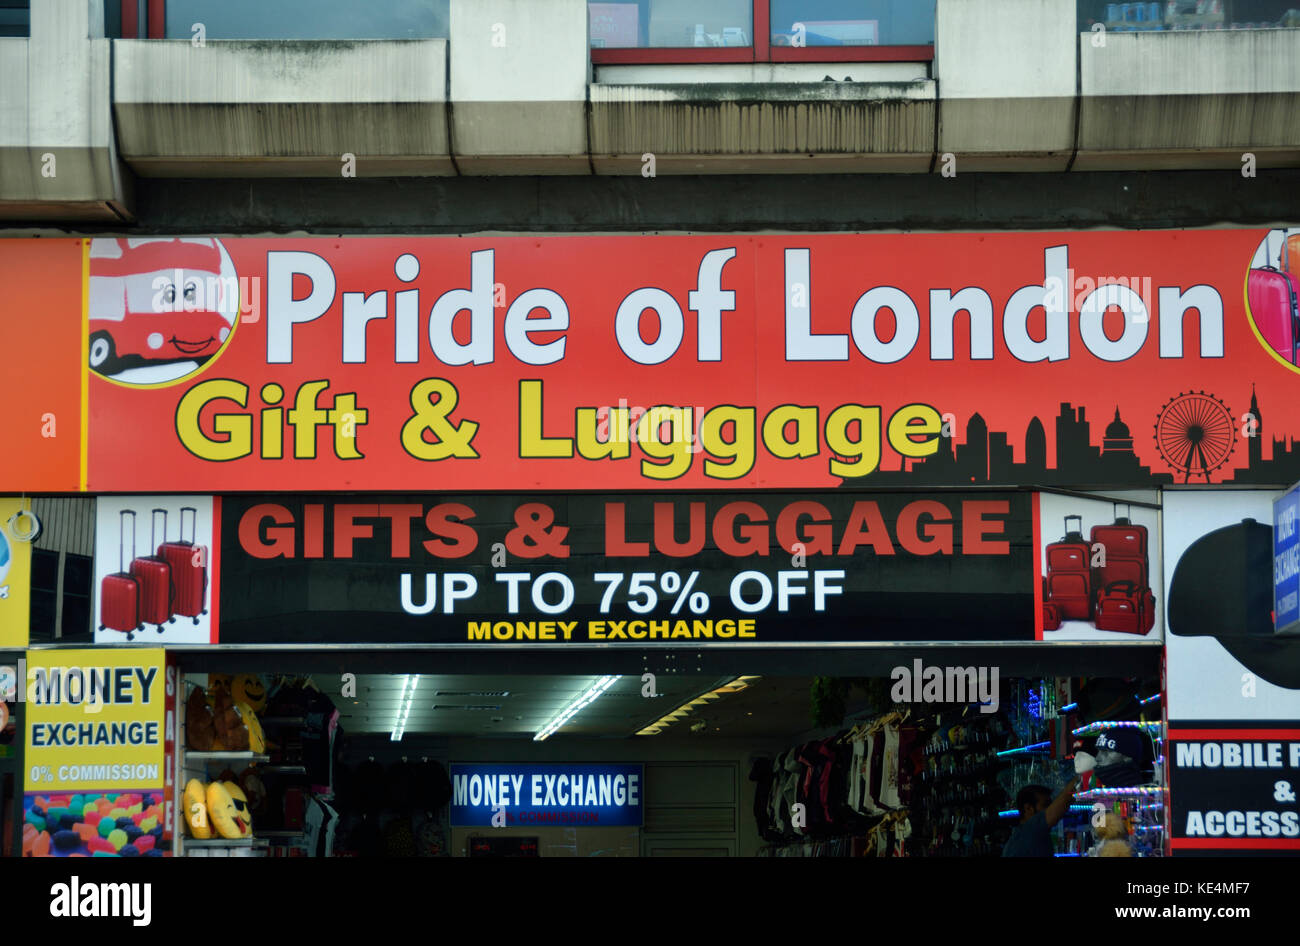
x=1195, y=434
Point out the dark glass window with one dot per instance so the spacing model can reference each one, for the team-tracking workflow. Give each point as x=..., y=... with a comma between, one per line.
x=78, y=578
x=852, y=22
x=1162, y=15
x=629, y=24
x=625, y=24
x=44, y=598
x=308, y=19
x=15, y=17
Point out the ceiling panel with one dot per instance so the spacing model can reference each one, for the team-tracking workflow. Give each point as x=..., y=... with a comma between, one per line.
x=526, y=703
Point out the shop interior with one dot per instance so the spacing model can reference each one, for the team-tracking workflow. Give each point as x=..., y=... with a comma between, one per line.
x=779, y=762
x=10, y=750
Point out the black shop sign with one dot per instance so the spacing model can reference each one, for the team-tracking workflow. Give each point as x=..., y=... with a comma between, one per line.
x=639, y=569
x=1234, y=790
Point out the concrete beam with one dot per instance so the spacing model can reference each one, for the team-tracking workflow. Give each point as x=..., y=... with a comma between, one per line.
x=1195, y=99
x=282, y=108
x=1006, y=71
x=519, y=74
x=57, y=150
x=717, y=204
x=817, y=127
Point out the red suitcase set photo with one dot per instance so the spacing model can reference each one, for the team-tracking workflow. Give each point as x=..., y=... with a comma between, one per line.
x=156, y=588
x=1115, y=593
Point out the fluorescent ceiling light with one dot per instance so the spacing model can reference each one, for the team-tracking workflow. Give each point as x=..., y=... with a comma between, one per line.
x=409, y=683
x=685, y=710
x=566, y=714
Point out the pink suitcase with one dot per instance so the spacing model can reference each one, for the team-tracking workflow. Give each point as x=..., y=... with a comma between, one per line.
x=1274, y=298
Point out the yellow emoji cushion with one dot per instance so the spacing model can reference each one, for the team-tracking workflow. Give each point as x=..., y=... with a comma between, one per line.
x=248, y=688
x=256, y=738
x=225, y=814
x=240, y=801
x=196, y=810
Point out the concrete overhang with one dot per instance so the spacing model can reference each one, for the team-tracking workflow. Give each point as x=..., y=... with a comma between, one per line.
x=725, y=128
x=1189, y=100
x=1007, y=83
x=58, y=160
x=519, y=72
x=262, y=108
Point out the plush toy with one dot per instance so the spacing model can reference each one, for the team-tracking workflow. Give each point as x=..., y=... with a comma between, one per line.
x=199, y=728
x=231, y=823
x=218, y=683
x=196, y=810
x=1085, y=764
x=248, y=688
x=256, y=739
x=232, y=734
x=1113, y=836
x=254, y=789
x=243, y=812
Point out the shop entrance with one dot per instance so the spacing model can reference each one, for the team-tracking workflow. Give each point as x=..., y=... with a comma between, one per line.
x=11, y=752
x=909, y=751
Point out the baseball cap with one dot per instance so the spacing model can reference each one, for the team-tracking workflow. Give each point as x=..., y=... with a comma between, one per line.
x=1223, y=588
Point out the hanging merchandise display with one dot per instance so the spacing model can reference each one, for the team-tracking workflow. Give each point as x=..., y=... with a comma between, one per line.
x=945, y=784
x=261, y=808
x=877, y=788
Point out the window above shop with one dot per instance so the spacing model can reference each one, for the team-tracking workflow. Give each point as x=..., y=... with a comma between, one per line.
x=15, y=17
x=643, y=31
x=284, y=19
x=1177, y=15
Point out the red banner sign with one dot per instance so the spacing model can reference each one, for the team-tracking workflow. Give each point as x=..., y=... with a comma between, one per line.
x=1085, y=359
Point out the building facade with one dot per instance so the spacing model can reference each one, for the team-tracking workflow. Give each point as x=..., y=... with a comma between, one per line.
x=574, y=388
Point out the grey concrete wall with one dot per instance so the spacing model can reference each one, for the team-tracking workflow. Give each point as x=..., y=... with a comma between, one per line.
x=263, y=108
x=58, y=156
x=788, y=127
x=519, y=73
x=1190, y=99
x=1014, y=87
x=1006, y=71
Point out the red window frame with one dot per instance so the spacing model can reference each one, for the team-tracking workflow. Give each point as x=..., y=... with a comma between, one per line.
x=155, y=23
x=761, y=50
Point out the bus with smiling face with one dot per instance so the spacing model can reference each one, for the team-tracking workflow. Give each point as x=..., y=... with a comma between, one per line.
x=157, y=302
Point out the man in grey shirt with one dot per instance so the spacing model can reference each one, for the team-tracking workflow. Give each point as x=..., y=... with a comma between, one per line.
x=1039, y=813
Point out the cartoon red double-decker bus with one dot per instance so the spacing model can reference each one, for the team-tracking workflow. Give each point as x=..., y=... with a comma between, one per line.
x=157, y=301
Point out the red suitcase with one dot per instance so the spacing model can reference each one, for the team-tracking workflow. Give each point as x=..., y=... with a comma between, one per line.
x=119, y=593
x=1069, y=573
x=1051, y=611
x=189, y=565
x=155, y=578
x=1274, y=298
x=1125, y=546
x=1124, y=606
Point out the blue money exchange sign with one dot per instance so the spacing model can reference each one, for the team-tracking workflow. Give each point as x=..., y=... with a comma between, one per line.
x=1286, y=561
x=546, y=795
